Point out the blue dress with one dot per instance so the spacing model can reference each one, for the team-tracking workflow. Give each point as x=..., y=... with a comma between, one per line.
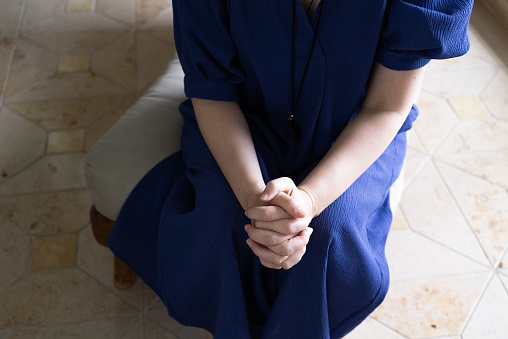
x=181, y=229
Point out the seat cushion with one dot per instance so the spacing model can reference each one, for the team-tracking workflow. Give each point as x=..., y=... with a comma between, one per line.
x=147, y=133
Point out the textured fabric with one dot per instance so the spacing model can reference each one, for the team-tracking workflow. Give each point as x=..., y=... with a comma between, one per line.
x=181, y=229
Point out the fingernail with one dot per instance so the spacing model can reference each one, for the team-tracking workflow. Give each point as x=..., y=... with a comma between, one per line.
x=245, y=228
x=311, y=230
x=264, y=196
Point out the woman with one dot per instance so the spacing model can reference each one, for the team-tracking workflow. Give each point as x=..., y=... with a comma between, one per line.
x=271, y=222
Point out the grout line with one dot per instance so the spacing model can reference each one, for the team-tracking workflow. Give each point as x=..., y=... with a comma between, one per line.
x=475, y=305
x=17, y=35
x=464, y=216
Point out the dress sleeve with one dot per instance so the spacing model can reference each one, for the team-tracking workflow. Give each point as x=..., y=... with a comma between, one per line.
x=206, y=49
x=415, y=31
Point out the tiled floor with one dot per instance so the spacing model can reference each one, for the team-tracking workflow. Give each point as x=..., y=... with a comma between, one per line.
x=70, y=68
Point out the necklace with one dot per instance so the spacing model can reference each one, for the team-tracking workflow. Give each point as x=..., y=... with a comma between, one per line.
x=293, y=127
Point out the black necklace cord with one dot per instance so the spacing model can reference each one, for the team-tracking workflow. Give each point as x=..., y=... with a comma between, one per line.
x=292, y=125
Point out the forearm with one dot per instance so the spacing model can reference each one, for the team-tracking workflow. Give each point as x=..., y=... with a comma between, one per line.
x=358, y=146
x=228, y=137
x=388, y=101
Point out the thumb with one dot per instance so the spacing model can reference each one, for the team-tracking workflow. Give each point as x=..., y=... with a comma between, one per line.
x=289, y=204
x=277, y=186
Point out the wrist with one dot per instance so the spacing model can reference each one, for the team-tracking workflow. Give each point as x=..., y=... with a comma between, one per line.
x=311, y=200
x=251, y=196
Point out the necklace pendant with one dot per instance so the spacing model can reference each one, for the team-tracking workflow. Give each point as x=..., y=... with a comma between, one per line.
x=293, y=128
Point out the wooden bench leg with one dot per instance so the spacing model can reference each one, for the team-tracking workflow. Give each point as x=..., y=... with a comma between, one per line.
x=124, y=277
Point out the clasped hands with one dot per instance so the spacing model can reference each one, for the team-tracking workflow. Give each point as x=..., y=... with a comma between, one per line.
x=279, y=230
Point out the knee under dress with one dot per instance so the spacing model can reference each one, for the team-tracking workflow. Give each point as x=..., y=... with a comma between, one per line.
x=181, y=229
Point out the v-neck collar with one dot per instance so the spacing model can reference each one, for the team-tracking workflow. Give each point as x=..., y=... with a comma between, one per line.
x=312, y=21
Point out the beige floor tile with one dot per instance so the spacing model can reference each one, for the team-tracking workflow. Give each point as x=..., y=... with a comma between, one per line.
x=435, y=121
x=489, y=319
x=76, y=42
x=118, y=9
x=430, y=210
x=26, y=143
x=495, y=96
x=79, y=5
x=161, y=27
x=484, y=205
x=370, y=329
x=101, y=126
x=37, y=12
x=146, y=9
x=97, y=261
x=116, y=62
x=487, y=165
x=504, y=280
x=30, y=65
x=468, y=107
x=51, y=173
x=73, y=63
x=458, y=84
x=14, y=253
x=66, y=141
x=9, y=17
x=48, y=214
x=60, y=21
x=414, y=142
x=430, y=308
x=153, y=330
x=53, y=297
x=411, y=256
x=54, y=252
x=414, y=162
x=109, y=328
x=136, y=331
x=463, y=63
x=476, y=135
x=152, y=57
x=398, y=223
x=66, y=86
x=180, y=331
x=77, y=113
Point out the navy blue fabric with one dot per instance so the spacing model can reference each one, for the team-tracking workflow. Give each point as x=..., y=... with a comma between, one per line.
x=181, y=229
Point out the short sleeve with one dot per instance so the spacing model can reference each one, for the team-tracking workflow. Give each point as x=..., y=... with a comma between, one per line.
x=206, y=50
x=415, y=31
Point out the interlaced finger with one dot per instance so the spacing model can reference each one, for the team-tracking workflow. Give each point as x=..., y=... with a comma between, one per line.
x=267, y=213
x=266, y=237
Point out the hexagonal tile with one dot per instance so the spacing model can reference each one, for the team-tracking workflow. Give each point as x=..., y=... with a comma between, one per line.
x=58, y=297
x=495, y=96
x=153, y=56
x=121, y=10
x=146, y=9
x=97, y=261
x=485, y=206
x=430, y=308
x=161, y=27
x=116, y=62
x=50, y=213
x=26, y=143
x=412, y=256
x=450, y=84
x=14, y=253
x=371, y=328
x=435, y=121
x=66, y=114
x=430, y=210
x=475, y=135
x=49, y=174
x=487, y=165
x=30, y=65
x=51, y=252
x=489, y=317
x=468, y=107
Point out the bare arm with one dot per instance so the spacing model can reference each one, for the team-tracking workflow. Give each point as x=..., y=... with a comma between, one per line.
x=388, y=101
x=228, y=137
